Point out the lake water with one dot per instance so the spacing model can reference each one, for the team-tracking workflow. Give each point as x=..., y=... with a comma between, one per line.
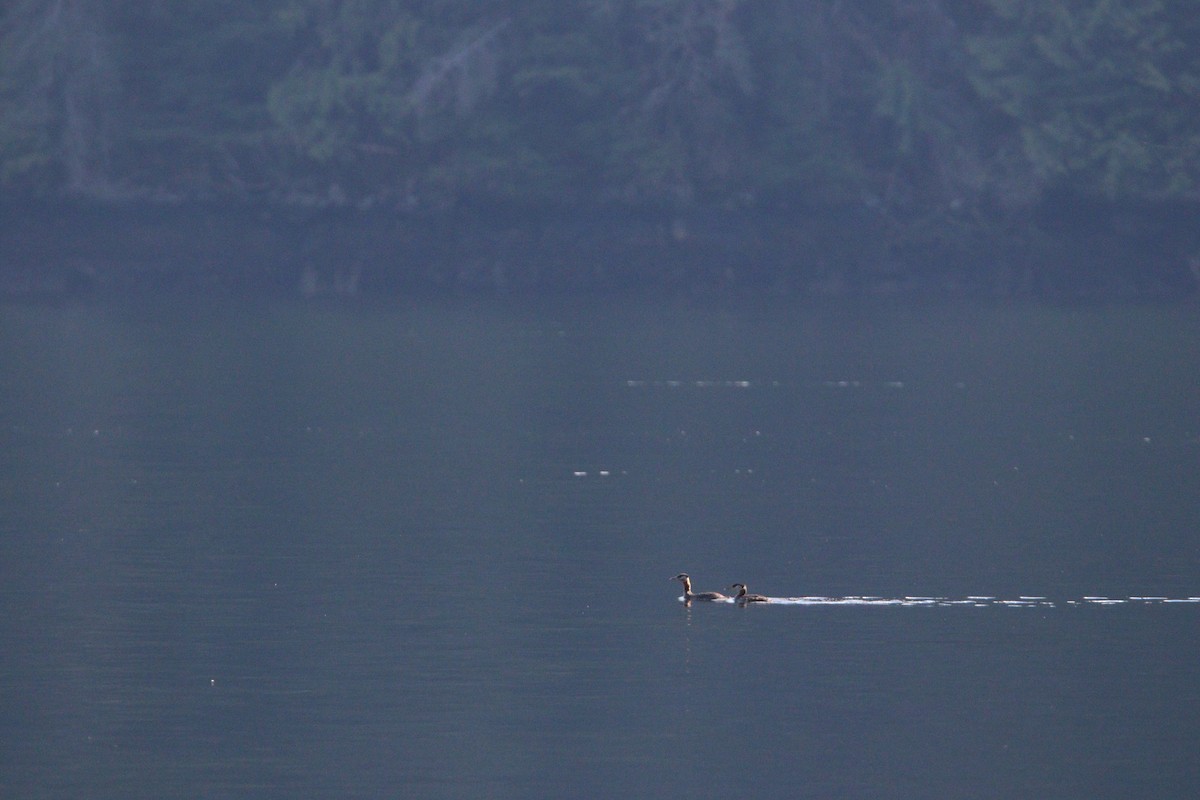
x=280, y=550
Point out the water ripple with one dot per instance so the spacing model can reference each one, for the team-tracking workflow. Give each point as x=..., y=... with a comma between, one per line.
x=976, y=601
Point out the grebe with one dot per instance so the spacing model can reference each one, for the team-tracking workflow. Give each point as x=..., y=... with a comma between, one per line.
x=689, y=595
x=742, y=597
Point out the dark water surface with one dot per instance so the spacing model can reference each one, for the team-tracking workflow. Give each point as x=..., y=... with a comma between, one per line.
x=283, y=550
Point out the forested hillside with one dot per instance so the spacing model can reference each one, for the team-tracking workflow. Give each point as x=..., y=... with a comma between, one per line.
x=946, y=122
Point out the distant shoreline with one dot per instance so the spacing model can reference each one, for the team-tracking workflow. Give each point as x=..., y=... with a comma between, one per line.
x=55, y=250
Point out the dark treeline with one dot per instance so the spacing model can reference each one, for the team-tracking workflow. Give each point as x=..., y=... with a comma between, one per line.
x=930, y=132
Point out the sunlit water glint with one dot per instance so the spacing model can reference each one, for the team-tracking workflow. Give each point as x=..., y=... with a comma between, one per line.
x=976, y=601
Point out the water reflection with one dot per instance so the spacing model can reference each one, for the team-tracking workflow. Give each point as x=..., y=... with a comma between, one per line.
x=287, y=550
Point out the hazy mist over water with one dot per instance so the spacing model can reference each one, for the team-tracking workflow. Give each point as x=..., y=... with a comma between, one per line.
x=278, y=549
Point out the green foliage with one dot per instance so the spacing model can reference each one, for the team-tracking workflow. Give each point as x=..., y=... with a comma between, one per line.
x=57, y=84
x=1102, y=95
x=913, y=108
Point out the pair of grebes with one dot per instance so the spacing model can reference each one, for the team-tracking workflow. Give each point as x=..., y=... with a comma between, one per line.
x=741, y=597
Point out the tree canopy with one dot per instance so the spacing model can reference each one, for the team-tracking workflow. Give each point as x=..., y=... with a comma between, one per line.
x=922, y=109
